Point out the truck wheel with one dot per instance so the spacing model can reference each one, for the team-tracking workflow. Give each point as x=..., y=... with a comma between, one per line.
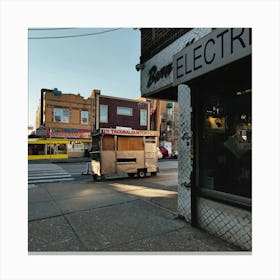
x=94, y=177
x=141, y=173
x=153, y=173
x=131, y=175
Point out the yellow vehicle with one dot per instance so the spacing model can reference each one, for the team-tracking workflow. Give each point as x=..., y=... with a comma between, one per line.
x=119, y=151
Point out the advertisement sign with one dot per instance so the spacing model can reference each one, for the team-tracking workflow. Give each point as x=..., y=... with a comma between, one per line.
x=69, y=133
x=218, y=48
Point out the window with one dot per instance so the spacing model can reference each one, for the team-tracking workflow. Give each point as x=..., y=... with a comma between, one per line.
x=50, y=149
x=143, y=117
x=36, y=149
x=226, y=144
x=103, y=113
x=61, y=115
x=169, y=111
x=61, y=148
x=108, y=143
x=124, y=111
x=84, y=117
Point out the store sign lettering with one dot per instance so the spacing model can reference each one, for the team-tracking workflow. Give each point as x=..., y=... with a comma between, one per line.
x=129, y=132
x=67, y=133
x=155, y=75
x=218, y=48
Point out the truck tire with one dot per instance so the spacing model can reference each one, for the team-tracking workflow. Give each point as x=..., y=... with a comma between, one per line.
x=141, y=173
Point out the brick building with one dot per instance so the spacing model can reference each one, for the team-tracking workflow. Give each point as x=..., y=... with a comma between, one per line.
x=208, y=71
x=65, y=116
x=164, y=118
x=112, y=112
x=73, y=117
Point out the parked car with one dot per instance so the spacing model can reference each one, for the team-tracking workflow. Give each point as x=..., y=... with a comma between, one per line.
x=159, y=153
x=163, y=151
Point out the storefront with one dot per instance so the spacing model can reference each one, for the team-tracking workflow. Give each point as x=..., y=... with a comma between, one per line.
x=79, y=140
x=76, y=143
x=212, y=78
x=58, y=148
x=47, y=149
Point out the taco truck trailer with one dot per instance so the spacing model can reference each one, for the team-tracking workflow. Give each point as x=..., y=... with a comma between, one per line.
x=119, y=151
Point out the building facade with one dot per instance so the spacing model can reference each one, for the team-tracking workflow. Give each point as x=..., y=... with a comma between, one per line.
x=208, y=71
x=72, y=117
x=67, y=115
x=164, y=118
x=116, y=112
x=64, y=116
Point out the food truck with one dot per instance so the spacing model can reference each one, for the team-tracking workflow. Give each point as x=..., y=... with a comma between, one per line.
x=119, y=151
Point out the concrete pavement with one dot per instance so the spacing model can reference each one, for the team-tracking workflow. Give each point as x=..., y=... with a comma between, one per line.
x=131, y=215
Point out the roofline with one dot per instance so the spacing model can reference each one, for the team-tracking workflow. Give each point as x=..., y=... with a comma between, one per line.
x=125, y=99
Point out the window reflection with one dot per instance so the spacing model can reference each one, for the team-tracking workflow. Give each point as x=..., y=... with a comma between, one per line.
x=226, y=144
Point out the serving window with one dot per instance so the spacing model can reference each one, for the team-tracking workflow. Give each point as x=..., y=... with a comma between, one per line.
x=226, y=143
x=108, y=143
x=126, y=143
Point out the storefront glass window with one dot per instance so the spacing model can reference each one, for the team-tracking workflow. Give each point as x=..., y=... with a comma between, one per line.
x=36, y=149
x=61, y=149
x=50, y=149
x=226, y=144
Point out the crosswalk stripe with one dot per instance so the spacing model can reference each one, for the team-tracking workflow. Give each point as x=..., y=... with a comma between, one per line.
x=48, y=173
x=45, y=173
x=50, y=176
x=49, y=181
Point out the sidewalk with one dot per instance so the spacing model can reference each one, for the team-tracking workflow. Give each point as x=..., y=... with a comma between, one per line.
x=112, y=216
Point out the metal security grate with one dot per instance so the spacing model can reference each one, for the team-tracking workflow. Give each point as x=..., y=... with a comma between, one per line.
x=230, y=223
x=227, y=222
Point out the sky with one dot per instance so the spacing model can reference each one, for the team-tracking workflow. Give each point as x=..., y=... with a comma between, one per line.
x=104, y=61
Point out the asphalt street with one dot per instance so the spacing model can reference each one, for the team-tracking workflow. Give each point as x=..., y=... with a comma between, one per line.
x=47, y=172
